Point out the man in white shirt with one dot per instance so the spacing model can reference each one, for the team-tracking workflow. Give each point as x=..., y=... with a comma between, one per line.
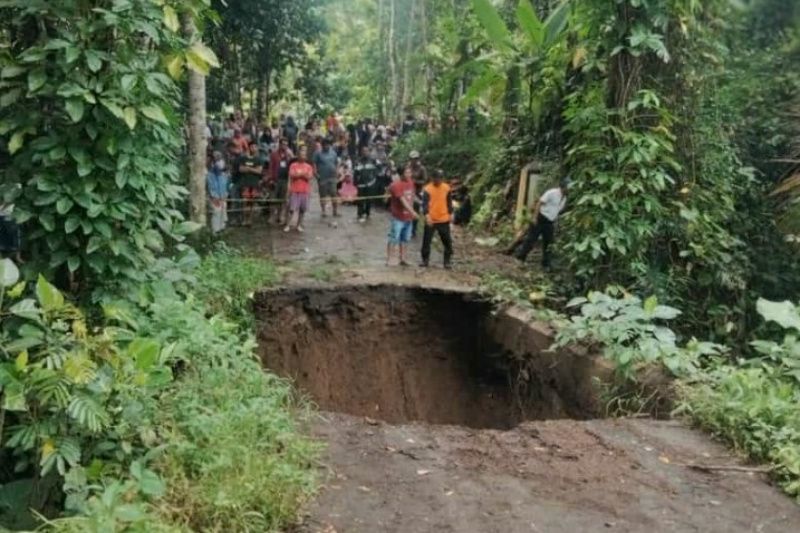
x=545, y=214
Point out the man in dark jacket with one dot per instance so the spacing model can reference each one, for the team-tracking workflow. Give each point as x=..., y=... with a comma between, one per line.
x=365, y=175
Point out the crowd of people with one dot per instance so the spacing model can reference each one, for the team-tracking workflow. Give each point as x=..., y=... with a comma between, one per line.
x=271, y=168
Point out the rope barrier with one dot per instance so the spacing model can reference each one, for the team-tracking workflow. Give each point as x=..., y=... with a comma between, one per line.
x=284, y=200
x=259, y=202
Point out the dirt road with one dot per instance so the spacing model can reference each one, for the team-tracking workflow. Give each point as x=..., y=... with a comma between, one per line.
x=564, y=476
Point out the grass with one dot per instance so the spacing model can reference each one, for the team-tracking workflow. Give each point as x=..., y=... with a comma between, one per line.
x=237, y=459
x=754, y=410
x=227, y=280
x=228, y=438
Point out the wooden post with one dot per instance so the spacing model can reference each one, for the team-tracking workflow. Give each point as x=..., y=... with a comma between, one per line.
x=525, y=191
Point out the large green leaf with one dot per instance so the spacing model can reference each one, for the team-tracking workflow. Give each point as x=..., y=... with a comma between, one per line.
x=530, y=23
x=63, y=205
x=556, y=22
x=174, y=64
x=9, y=273
x=14, y=397
x=36, y=79
x=783, y=313
x=12, y=71
x=155, y=113
x=93, y=60
x=144, y=352
x=16, y=142
x=75, y=109
x=492, y=22
x=71, y=224
x=201, y=58
x=73, y=263
x=129, y=114
x=171, y=19
x=49, y=297
x=10, y=97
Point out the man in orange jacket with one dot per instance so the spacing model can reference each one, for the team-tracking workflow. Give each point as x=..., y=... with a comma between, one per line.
x=437, y=207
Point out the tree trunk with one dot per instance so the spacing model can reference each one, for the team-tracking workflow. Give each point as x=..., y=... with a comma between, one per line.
x=381, y=94
x=427, y=68
x=196, y=135
x=406, y=98
x=392, y=63
x=511, y=97
x=237, y=79
x=267, y=86
x=259, y=114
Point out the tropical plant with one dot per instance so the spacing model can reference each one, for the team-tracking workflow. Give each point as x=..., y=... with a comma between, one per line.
x=73, y=396
x=629, y=333
x=88, y=116
x=753, y=402
x=515, y=54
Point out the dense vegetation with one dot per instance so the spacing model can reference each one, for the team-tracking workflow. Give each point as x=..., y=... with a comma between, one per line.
x=156, y=414
x=130, y=397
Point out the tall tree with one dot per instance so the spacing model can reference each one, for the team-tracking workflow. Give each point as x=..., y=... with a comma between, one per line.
x=196, y=134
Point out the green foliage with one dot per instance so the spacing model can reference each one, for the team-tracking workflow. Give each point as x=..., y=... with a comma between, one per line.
x=234, y=458
x=257, y=41
x=622, y=170
x=630, y=335
x=527, y=49
x=457, y=153
x=218, y=448
x=753, y=403
x=227, y=280
x=90, y=127
x=237, y=462
x=73, y=395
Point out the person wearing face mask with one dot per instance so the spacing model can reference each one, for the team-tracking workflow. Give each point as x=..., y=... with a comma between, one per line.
x=218, y=182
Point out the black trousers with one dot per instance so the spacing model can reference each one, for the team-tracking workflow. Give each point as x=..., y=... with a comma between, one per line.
x=443, y=230
x=364, y=206
x=544, y=228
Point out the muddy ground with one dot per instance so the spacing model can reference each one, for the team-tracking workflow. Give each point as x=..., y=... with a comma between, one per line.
x=561, y=476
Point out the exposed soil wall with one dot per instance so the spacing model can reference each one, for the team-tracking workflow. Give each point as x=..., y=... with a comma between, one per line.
x=413, y=354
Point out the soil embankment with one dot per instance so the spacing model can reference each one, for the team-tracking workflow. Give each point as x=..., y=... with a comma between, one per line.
x=405, y=353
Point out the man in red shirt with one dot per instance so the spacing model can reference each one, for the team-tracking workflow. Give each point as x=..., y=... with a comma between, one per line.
x=401, y=206
x=301, y=172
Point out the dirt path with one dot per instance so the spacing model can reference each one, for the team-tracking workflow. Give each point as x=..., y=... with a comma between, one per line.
x=559, y=476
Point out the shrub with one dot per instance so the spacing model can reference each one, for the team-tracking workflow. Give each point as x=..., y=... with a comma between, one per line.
x=75, y=398
x=91, y=131
x=753, y=403
x=227, y=279
x=457, y=153
x=94, y=411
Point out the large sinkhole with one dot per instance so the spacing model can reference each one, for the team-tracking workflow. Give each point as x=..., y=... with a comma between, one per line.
x=401, y=353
